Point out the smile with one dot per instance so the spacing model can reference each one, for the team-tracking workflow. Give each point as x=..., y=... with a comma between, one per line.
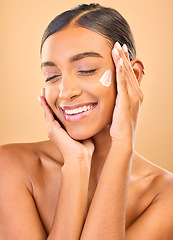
x=72, y=113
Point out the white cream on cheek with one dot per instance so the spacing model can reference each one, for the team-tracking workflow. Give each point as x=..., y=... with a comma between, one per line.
x=106, y=78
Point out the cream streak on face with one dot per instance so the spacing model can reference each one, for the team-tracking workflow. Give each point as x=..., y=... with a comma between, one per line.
x=106, y=78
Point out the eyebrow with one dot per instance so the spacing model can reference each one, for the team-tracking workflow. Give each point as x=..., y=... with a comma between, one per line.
x=74, y=58
x=79, y=56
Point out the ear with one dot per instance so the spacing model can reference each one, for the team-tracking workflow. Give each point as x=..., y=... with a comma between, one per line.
x=138, y=69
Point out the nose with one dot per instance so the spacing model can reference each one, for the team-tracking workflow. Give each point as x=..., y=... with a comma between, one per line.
x=69, y=88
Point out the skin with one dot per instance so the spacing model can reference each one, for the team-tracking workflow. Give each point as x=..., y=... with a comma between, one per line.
x=73, y=188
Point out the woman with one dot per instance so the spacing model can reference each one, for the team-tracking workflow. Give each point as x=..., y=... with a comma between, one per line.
x=87, y=182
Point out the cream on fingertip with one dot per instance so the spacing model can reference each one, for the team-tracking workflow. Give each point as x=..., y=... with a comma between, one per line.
x=121, y=62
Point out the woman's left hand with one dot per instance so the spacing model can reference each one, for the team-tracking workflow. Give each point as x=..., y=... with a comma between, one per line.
x=129, y=98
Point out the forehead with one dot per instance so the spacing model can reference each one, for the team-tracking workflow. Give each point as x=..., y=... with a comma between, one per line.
x=73, y=40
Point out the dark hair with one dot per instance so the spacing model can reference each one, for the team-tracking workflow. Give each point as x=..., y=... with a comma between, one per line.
x=105, y=21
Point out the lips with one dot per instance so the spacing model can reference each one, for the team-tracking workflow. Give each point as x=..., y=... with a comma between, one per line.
x=77, y=112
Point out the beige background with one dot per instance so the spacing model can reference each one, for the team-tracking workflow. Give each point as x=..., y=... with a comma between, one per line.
x=22, y=25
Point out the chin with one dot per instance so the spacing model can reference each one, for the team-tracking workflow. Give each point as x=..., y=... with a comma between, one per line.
x=80, y=135
x=85, y=132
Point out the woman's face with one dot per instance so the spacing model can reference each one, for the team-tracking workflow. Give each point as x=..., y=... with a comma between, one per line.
x=76, y=60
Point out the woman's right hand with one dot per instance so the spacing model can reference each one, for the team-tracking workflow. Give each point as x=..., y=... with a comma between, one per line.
x=73, y=196
x=70, y=149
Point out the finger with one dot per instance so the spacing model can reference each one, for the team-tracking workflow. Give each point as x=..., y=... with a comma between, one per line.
x=43, y=92
x=133, y=82
x=55, y=132
x=123, y=53
x=127, y=74
x=134, y=100
x=115, y=52
x=47, y=112
x=46, y=103
x=121, y=81
x=125, y=87
x=133, y=96
x=121, y=84
x=115, y=55
x=125, y=49
x=44, y=96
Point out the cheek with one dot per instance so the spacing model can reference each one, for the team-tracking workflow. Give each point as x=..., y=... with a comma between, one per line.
x=108, y=101
x=106, y=96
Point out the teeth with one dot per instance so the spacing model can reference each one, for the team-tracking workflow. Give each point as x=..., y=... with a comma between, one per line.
x=84, y=108
x=79, y=110
x=70, y=111
x=75, y=111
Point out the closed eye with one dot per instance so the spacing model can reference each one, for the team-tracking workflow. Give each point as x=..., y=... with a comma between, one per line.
x=83, y=72
x=87, y=72
x=50, y=78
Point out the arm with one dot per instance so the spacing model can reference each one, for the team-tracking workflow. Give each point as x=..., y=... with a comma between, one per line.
x=73, y=199
x=156, y=222
x=72, y=203
x=19, y=216
x=109, y=202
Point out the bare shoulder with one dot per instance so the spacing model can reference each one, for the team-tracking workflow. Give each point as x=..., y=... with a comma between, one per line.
x=23, y=152
x=150, y=198
x=151, y=180
x=16, y=152
x=27, y=158
x=146, y=171
x=29, y=175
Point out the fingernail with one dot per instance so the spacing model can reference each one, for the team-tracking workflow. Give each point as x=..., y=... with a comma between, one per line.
x=125, y=48
x=116, y=51
x=121, y=62
x=118, y=45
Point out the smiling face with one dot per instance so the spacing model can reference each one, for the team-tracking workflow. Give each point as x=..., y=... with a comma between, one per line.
x=76, y=63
